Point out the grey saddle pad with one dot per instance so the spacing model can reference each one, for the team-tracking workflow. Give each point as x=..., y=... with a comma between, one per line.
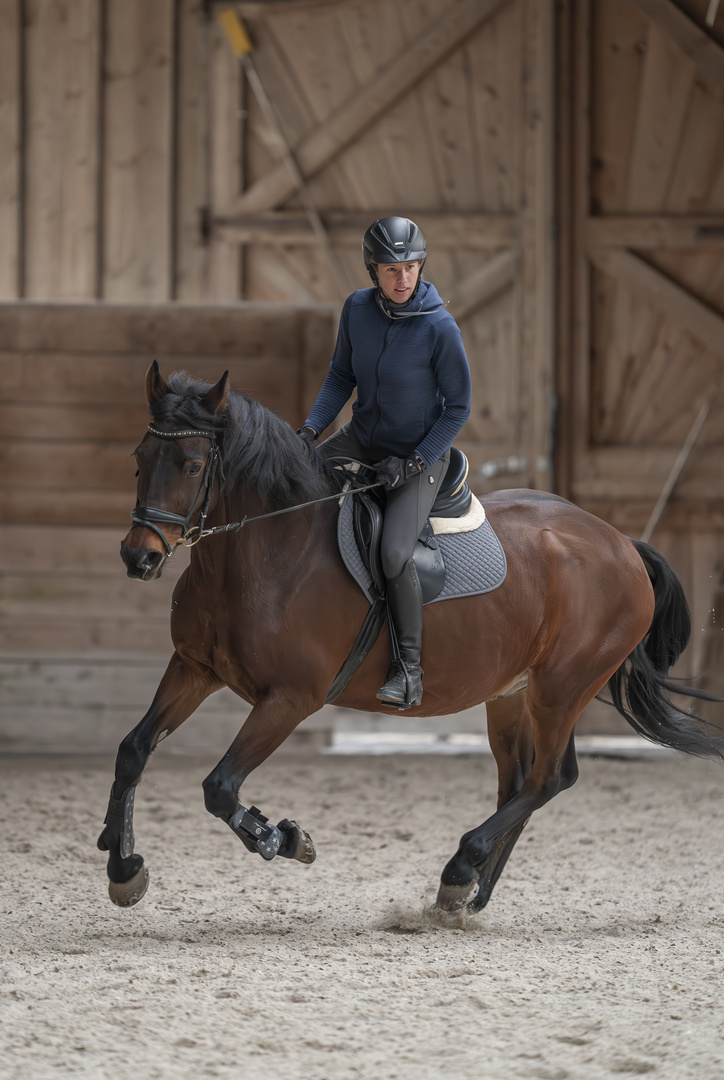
x=474, y=561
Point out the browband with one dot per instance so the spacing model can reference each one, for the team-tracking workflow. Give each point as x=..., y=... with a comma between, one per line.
x=181, y=434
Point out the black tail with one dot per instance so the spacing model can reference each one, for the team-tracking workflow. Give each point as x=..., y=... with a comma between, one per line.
x=640, y=690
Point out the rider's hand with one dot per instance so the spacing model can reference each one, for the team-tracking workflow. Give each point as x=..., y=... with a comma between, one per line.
x=394, y=471
x=308, y=435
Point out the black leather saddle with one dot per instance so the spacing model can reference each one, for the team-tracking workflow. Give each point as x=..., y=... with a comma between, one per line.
x=368, y=514
x=452, y=501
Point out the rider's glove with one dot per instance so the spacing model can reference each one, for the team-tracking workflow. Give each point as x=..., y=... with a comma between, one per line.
x=308, y=435
x=394, y=471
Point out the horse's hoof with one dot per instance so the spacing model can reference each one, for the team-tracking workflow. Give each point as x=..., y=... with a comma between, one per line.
x=456, y=897
x=297, y=843
x=128, y=893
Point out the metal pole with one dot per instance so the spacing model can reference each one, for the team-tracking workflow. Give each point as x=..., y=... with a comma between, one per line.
x=681, y=459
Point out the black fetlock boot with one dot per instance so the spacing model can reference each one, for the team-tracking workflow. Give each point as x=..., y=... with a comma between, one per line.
x=403, y=686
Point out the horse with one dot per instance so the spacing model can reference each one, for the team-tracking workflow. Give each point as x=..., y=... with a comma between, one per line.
x=271, y=612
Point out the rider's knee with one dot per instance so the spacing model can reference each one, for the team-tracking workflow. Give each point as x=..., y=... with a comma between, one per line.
x=394, y=558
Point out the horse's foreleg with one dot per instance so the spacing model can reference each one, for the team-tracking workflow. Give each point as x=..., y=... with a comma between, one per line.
x=180, y=692
x=273, y=718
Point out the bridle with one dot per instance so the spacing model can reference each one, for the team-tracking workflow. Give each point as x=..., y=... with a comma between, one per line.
x=149, y=515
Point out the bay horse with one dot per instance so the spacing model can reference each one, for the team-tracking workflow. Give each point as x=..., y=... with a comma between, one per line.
x=272, y=612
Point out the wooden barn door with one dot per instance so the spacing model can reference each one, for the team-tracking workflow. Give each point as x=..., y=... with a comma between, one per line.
x=440, y=110
x=647, y=266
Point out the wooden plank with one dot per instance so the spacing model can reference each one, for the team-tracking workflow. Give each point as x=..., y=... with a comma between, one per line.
x=617, y=48
x=495, y=60
x=191, y=269
x=10, y=140
x=65, y=379
x=53, y=421
x=446, y=95
x=669, y=298
x=565, y=111
x=54, y=598
x=636, y=472
x=137, y=203
x=688, y=36
x=537, y=267
x=61, y=165
x=574, y=420
x=349, y=120
x=474, y=290
x=655, y=231
x=315, y=50
x=700, y=156
x=52, y=550
x=99, y=464
x=374, y=158
x=319, y=338
x=666, y=86
x=629, y=516
x=473, y=231
x=243, y=330
x=78, y=637
x=262, y=9
x=45, y=506
x=225, y=163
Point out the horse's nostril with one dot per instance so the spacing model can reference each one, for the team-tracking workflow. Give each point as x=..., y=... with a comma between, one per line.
x=141, y=564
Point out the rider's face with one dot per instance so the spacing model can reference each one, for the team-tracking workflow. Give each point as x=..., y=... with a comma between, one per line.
x=398, y=280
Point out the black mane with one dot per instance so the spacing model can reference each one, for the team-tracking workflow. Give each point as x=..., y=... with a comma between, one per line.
x=260, y=451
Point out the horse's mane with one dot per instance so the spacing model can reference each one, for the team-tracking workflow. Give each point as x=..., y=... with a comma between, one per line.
x=260, y=450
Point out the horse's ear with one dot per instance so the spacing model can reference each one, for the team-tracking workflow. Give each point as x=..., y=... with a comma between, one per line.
x=217, y=398
x=156, y=385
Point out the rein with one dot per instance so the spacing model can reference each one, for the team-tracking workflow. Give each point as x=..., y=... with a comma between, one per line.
x=149, y=515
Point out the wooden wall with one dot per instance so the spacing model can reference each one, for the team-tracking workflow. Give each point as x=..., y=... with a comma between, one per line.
x=109, y=154
x=565, y=160
x=141, y=163
x=642, y=305
x=82, y=646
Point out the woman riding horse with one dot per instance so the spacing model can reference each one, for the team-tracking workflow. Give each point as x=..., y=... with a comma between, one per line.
x=404, y=354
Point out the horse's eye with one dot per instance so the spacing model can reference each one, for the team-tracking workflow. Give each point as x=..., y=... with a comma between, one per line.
x=138, y=471
x=193, y=469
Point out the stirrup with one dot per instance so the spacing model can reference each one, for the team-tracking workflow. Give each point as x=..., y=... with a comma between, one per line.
x=403, y=686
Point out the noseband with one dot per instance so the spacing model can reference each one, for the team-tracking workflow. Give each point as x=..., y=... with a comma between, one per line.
x=149, y=515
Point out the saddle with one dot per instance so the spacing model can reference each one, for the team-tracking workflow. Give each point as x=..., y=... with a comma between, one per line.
x=453, y=500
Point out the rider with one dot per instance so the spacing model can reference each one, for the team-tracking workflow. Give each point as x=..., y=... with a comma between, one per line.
x=404, y=354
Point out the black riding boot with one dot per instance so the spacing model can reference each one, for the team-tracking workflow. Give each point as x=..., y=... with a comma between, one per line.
x=405, y=606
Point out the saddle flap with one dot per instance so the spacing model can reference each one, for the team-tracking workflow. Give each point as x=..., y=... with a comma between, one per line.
x=367, y=518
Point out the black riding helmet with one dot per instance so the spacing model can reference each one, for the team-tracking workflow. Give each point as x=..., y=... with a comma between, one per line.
x=392, y=240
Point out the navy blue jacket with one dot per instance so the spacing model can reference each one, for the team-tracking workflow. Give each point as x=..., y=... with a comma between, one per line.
x=410, y=370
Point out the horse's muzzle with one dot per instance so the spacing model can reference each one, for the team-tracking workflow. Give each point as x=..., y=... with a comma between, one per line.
x=143, y=563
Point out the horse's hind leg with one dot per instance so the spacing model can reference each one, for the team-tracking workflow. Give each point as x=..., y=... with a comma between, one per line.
x=180, y=692
x=553, y=716
x=511, y=741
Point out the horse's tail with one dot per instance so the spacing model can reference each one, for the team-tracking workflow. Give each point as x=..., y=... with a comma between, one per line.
x=640, y=690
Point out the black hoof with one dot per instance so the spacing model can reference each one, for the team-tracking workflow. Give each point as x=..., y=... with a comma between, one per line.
x=456, y=897
x=297, y=844
x=128, y=893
